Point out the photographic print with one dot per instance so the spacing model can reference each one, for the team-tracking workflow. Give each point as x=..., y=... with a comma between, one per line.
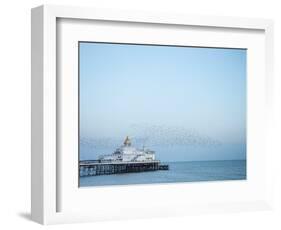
x=161, y=114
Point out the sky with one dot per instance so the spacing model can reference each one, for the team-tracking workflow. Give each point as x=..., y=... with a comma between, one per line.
x=186, y=103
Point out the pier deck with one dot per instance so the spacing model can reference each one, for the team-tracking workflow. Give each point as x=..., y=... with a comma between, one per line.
x=96, y=168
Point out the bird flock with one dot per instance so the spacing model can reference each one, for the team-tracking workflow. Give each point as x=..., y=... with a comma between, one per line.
x=155, y=135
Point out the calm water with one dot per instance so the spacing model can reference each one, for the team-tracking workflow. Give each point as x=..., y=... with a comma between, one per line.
x=178, y=172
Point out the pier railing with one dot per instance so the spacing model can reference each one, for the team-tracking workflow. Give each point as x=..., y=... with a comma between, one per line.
x=96, y=167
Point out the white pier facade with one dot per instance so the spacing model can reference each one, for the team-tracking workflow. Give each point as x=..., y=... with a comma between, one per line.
x=128, y=153
x=125, y=159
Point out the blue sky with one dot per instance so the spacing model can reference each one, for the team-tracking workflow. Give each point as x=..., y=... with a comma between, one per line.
x=192, y=98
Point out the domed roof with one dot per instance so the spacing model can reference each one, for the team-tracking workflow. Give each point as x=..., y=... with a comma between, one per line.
x=127, y=141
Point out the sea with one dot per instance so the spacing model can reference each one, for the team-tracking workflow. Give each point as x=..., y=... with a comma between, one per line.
x=191, y=171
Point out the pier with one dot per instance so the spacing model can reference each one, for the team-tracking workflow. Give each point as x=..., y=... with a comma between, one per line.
x=96, y=168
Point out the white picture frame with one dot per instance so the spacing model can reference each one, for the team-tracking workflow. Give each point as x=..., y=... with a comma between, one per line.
x=47, y=182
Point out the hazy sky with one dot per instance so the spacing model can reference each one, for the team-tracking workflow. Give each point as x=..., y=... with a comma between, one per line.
x=186, y=103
